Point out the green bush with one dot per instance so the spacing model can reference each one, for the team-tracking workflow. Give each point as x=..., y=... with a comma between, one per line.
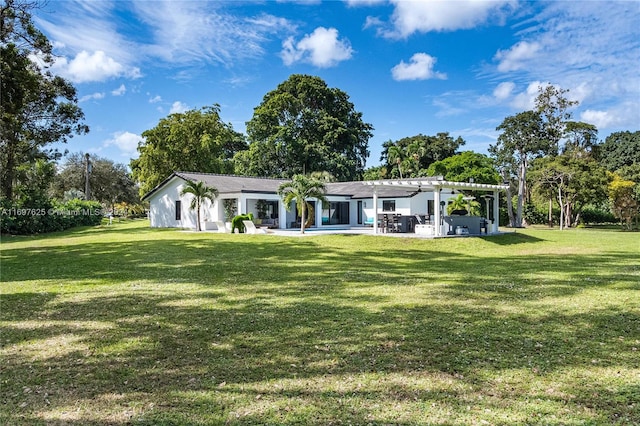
x=40, y=215
x=595, y=216
x=537, y=215
x=236, y=222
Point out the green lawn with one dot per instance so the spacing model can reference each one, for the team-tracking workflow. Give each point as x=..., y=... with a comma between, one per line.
x=129, y=325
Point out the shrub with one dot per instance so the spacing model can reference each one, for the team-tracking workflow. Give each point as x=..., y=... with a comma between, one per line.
x=40, y=215
x=236, y=222
x=596, y=216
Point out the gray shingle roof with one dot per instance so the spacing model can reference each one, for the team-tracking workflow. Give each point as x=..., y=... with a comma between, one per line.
x=227, y=184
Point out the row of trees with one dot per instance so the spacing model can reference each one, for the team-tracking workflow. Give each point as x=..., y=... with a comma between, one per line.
x=547, y=156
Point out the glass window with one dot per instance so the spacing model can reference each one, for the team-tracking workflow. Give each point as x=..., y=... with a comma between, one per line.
x=178, y=209
x=389, y=205
x=335, y=213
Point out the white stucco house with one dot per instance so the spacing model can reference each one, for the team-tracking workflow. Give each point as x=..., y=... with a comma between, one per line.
x=411, y=205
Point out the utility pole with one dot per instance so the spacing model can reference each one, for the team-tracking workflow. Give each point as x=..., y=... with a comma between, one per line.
x=87, y=171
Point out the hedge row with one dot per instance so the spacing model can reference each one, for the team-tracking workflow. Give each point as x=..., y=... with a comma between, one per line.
x=25, y=218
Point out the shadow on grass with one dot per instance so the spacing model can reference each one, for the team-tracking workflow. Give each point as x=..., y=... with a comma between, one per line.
x=197, y=330
x=511, y=237
x=155, y=347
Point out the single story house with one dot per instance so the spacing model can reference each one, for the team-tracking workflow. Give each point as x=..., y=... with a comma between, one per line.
x=407, y=205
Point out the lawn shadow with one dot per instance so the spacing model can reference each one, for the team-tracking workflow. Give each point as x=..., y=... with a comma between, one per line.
x=169, y=326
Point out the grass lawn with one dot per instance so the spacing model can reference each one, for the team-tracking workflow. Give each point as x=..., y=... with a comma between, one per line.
x=129, y=325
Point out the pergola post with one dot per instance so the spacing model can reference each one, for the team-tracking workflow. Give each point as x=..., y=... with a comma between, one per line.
x=438, y=210
x=496, y=212
x=375, y=210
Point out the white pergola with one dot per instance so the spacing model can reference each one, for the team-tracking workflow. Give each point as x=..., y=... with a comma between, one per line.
x=436, y=184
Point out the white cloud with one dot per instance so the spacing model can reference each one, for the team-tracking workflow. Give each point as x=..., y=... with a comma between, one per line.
x=191, y=32
x=504, y=90
x=517, y=57
x=174, y=32
x=525, y=101
x=623, y=116
x=86, y=67
x=155, y=99
x=590, y=48
x=321, y=48
x=425, y=16
x=178, y=107
x=119, y=91
x=126, y=142
x=420, y=67
x=97, y=95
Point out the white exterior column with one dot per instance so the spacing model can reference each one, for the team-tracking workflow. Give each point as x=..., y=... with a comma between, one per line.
x=375, y=210
x=436, y=217
x=241, y=203
x=318, y=213
x=496, y=212
x=282, y=215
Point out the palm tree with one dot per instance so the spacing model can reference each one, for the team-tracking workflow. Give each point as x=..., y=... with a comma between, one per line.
x=300, y=189
x=396, y=154
x=200, y=192
x=460, y=202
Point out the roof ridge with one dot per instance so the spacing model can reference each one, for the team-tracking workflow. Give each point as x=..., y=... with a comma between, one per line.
x=228, y=175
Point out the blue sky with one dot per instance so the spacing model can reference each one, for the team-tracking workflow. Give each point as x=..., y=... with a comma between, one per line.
x=409, y=66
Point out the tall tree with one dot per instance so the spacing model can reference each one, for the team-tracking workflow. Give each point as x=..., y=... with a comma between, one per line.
x=37, y=107
x=196, y=140
x=110, y=182
x=624, y=199
x=580, y=138
x=574, y=182
x=395, y=154
x=200, y=192
x=519, y=143
x=300, y=189
x=304, y=126
x=553, y=107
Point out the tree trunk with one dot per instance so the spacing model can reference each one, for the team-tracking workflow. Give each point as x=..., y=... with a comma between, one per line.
x=521, y=188
x=7, y=181
x=550, y=212
x=561, y=204
x=302, y=217
x=198, y=217
x=509, y=199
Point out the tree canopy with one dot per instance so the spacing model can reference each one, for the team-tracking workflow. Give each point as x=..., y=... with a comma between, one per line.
x=304, y=126
x=110, y=182
x=196, y=140
x=412, y=156
x=465, y=166
x=37, y=107
x=573, y=182
x=619, y=149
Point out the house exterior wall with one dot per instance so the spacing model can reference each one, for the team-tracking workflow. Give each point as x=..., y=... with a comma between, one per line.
x=162, y=207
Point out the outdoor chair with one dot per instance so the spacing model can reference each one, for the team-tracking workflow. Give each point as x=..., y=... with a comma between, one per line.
x=250, y=228
x=222, y=228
